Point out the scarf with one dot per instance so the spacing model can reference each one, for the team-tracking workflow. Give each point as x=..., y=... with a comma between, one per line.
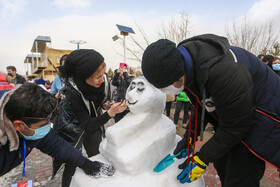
x=91, y=93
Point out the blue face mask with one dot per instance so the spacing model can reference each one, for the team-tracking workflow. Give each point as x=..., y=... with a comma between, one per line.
x=39, y=133
x=276, y=67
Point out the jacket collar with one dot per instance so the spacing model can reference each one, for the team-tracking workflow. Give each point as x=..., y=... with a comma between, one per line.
x=188, y=62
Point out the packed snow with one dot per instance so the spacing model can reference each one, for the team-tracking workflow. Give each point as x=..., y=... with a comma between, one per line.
x=137, y=143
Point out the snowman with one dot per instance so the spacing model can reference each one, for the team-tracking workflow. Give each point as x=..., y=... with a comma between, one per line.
x=137, y=143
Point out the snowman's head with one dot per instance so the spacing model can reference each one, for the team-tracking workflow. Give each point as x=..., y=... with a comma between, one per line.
x=141, y=96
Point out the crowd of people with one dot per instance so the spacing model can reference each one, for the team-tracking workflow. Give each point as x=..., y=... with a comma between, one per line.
x=225, y=86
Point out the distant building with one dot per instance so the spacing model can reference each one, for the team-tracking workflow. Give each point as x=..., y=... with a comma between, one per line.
x=43, y=60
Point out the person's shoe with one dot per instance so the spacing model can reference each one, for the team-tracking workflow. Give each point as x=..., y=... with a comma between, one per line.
x=184, y=125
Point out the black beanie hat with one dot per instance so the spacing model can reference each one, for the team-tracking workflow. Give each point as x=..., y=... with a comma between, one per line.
x=162, y=63
x=82, y=63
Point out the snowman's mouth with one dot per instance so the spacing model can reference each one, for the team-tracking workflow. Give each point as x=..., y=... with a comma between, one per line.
x=132, y=103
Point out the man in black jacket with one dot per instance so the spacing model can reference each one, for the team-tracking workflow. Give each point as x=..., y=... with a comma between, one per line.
x=230, y=88
x=121, y=80
x=16, y=78
x=26, y=115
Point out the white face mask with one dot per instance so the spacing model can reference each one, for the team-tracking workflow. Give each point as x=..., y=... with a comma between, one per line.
x=172, y=90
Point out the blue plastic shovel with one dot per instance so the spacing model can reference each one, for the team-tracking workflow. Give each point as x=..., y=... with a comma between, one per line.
x=164, y=163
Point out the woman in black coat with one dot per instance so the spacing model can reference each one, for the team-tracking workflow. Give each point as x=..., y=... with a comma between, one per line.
x=80, y=120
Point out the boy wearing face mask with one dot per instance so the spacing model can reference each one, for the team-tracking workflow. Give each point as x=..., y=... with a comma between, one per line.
x=231, y=89
x=26, y=113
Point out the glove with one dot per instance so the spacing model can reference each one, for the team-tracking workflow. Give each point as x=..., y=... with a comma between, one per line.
x=97, y=169
x=191, y=174
x=183, y=145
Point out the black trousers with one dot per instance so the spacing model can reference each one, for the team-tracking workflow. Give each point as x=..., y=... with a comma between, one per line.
x=240, y=168
x=178, y=108
x=91, y=141
x=167, y=108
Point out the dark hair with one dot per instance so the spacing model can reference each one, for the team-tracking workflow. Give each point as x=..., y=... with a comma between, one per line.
x=13, y=68
x=260, y=55
x=268, y=58
x=275, y=59
x=30, y=100
x=63, y=58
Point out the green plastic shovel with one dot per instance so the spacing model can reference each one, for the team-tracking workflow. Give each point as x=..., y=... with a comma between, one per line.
x=164, y=163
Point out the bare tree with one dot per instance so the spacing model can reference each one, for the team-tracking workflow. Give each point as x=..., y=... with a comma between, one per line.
x=254, y=38
x=276, y=50
x=176, y=30
x=135, y=45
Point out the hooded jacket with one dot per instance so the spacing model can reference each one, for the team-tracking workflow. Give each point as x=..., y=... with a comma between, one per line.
x=241, y=96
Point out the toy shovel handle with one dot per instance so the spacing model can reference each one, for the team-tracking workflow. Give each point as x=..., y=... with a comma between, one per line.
x=178, y=153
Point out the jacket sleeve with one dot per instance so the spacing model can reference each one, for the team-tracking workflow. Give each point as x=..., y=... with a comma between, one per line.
x=58, y=148
x=81, y=113
x=115, y=80
x=127, y=78
x=233, y=97
x=55, y=85
x=8, y=160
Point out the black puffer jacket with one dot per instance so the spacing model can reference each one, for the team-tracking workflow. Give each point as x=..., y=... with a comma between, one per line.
x=234, y=85
x=76, y=114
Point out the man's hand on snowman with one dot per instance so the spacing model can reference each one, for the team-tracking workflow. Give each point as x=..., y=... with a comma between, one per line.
x=182, y=146
x=97, y=169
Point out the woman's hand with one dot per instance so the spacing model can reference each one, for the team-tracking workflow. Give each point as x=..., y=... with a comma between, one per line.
x=108, y=104
x=117, y=108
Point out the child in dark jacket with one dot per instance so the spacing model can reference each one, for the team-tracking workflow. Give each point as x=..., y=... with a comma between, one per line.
x=25, y=123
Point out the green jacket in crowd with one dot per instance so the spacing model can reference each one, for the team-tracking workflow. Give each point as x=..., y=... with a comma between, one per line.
x=182, y=96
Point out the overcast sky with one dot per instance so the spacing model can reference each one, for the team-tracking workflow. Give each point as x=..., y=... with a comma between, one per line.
x=95, y=22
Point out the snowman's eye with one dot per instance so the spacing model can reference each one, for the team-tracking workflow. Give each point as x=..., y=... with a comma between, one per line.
x=140, y=86
x=132, y=86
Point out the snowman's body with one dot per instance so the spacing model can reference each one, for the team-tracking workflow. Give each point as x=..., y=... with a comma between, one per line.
x=138, y=142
